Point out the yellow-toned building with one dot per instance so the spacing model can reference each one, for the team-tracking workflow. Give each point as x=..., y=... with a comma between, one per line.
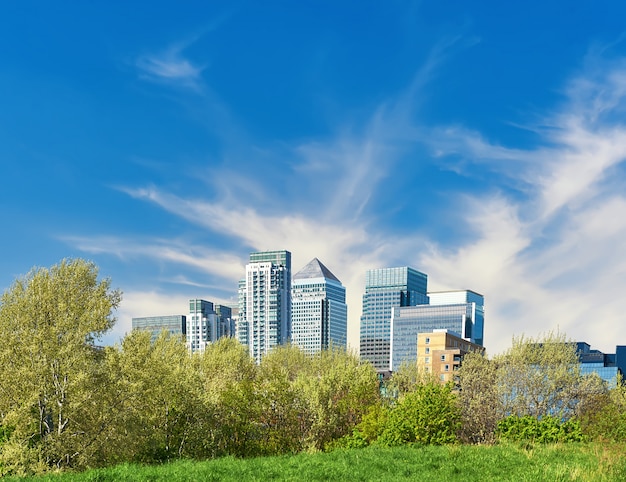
x=441, y=352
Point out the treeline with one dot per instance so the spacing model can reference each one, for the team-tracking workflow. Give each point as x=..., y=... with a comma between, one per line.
x=64, y=403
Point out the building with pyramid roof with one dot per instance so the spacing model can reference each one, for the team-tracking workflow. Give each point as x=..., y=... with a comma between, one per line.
x=319, y=314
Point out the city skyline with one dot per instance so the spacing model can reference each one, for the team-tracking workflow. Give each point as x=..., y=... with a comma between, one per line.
x=481, y=143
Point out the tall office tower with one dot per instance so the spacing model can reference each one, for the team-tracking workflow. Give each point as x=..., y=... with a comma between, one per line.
x=202, y=325
x=319, y=314
x=264, y=319
x=174, y=324
x=386, y=288
x=460, y=312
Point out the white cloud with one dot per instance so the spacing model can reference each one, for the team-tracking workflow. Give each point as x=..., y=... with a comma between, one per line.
x=171, y=67
x=548, y=253
x=554, y=256
x=218, y=263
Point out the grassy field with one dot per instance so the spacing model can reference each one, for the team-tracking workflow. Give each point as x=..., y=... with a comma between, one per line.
x=583, y=462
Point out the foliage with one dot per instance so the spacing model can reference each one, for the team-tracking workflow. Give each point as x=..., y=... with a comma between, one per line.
x=227, y=380
x=50, y=376
x=309, y=401
x=406, y=378
x=427, y=415
x=373, y=422
x=545, y=430
x=539, y=377
x=478, y=399
x=606, y=419
x=339, y=390
x=155, y=399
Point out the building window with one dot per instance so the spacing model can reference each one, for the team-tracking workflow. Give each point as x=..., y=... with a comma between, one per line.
x=443, y=358
x=427, y=340
x=446, y=368
x=427, y=350
x=427, y=360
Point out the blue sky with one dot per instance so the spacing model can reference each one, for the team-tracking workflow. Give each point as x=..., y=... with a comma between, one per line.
x=482, y=143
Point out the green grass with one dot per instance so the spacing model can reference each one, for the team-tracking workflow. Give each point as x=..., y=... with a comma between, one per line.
x=582, y=462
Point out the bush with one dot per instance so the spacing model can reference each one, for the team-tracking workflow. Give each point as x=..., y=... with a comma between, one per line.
x=428, y=415
x=548, y=429
x=606, y=420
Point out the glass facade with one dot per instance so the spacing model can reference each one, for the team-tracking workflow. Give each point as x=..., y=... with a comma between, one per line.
x=606, y=365
x=385, y=289
x=174, y=324
x=460, y=312
x=319, y=312
x=264, y=318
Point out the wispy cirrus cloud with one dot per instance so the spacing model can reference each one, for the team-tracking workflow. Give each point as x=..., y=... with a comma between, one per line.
x=218, y=263
x=542, y=240
x=552, y=256
x=171, y=67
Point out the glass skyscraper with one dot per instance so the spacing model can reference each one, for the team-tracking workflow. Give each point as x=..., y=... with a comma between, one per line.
x=174, y=324
x=319, y=314
x=460, y=312
x=264, y=318
x=386, y=288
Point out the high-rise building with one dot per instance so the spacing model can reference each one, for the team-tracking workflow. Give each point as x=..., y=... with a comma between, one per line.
x=461, y=312
x=206, y=324
x=319, y=314
x=264, y=318
x=174, y=324
x=385, y=289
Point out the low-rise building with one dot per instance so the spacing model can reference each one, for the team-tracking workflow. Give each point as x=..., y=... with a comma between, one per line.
x=441, y=352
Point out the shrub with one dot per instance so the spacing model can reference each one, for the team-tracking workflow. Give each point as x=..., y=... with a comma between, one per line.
x=548, y=429
x=428, y=415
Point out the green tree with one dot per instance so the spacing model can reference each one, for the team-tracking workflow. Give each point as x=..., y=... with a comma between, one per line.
x=479, y=399
x=156, y=399
x=50, y=370
x=308, y=401
x=605, y=417
x=539, y=377
x=406, y=379
x=339, y=391
x=284, y=413
x=230, y=418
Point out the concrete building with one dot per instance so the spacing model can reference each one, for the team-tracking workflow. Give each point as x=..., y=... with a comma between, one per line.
x=207, y=323
x=441, y=352
x=319, y=314
x=264, y=319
